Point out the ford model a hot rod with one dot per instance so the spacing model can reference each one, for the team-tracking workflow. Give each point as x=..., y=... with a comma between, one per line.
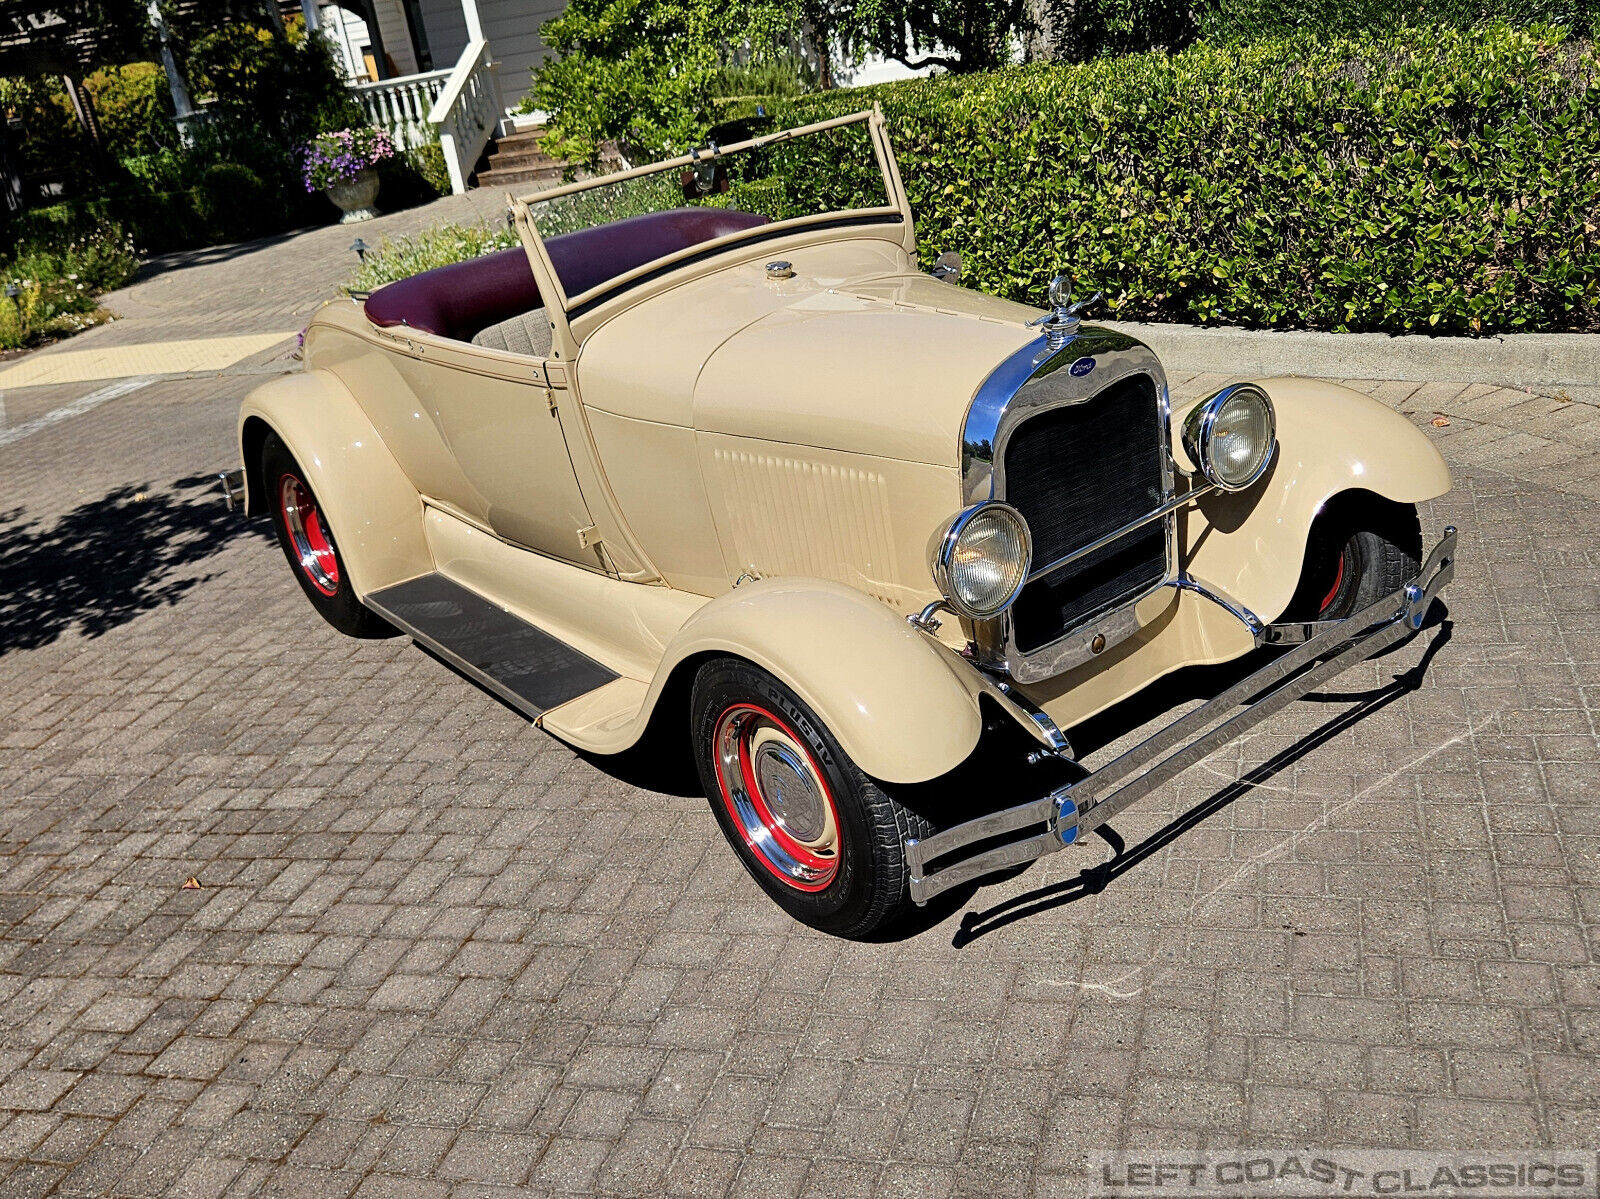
x=709, y=456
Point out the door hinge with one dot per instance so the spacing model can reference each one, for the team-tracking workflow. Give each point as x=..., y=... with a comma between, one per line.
x=550, y=398
x=588, y=537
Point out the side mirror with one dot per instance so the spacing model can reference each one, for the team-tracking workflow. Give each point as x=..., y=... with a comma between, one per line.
x=948, y=267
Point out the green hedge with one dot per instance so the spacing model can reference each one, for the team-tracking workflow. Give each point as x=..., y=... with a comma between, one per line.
x=1426, y=179
x=1251, y=19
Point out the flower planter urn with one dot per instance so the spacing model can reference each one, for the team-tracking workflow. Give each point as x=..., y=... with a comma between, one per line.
x=355, y=197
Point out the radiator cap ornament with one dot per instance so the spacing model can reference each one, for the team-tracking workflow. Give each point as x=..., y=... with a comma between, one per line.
x=1061, y=322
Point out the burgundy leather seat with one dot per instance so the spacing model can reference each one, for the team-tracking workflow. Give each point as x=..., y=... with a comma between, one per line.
x=459, y=300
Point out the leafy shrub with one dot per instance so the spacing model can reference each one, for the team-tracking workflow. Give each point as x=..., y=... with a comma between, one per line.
x=283, y=90
x=1083, y=29
x=782, y=75
x=133, y=106
x=45, y=140
x=1248, y=19
x=1424, y=179
x=232, y=201
x=643, y=73
x=164, y=170
x=219, y=210
x=61, y=271
x=427, y=160
x=399, y=257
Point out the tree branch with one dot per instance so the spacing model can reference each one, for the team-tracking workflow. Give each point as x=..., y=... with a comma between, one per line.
x=931, y=60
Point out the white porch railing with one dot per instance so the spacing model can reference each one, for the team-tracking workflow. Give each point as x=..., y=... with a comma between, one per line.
x=401, y=106
x=467, y=112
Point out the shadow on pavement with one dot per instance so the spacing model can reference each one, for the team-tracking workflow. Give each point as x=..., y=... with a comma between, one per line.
x=1095, y=879
x=177, y=260
x=107, y=561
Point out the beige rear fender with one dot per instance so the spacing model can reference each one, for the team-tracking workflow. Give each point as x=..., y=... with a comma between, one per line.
x=374, y=510
x=903, y=706
x=1251, y=544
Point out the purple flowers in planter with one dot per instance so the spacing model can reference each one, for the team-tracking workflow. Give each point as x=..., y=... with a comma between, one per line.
x=340, y=156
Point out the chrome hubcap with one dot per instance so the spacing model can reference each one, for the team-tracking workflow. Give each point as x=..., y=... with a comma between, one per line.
x=791, y=794
x=313, y=547
x=777, y=796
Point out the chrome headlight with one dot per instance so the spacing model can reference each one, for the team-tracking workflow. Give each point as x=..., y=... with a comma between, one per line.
x=981, y=559
x=1231, y=436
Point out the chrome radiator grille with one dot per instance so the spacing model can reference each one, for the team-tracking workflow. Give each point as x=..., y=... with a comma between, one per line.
x=1077, y=473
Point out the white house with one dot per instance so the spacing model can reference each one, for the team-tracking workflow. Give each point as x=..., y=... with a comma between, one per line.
x=419, y=36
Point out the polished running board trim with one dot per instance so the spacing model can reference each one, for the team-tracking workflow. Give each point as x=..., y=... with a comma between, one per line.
x=504, y=654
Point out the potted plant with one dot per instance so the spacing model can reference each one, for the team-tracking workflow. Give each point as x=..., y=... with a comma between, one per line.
x=343, y=166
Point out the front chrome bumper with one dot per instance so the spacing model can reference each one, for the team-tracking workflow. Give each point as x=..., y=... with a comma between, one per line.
x=1321, y=651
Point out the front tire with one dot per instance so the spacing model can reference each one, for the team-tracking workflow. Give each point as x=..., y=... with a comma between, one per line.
x=818, y=836
x=308, y=544
x=1362, y=547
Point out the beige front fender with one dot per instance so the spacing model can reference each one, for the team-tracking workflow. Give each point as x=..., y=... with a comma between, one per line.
x=903, y=706
x=374, y=510
x=1251, y=545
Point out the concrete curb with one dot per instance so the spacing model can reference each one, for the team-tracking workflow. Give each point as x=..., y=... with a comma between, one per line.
x=1532, y=360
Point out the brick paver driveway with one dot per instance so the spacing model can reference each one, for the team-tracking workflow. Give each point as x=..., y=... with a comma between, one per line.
x=434, y=951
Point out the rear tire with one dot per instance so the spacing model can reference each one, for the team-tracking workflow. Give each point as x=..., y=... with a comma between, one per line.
x=1362, y=547
x=819, y=836
x=308, y=544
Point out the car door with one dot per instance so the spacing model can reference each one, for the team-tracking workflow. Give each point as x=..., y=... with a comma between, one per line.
x=500, y=417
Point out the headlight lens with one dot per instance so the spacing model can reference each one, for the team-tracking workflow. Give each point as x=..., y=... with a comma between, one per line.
x=981, y=559
x=1231, y=436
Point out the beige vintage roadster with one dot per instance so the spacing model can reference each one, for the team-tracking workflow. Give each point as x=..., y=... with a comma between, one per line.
x=709, y=458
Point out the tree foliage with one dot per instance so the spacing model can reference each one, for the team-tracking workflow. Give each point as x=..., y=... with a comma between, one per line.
x=959, y=35
x=641, y=72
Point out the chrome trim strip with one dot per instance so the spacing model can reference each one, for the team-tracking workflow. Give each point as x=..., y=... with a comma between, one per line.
x=1077, y=808
x=1044, y=728
x=1032, y=381
x=1248, y=618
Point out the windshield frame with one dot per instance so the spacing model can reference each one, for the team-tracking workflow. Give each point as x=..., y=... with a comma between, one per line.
x=896, y=211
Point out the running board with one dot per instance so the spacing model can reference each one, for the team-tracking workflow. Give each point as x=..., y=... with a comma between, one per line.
x=523, y=665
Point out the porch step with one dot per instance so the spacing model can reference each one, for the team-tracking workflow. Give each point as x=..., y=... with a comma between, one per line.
x=519, y=150
x=502, y=157
x=518, y=161
x=515, y=162
x=528, y=179
x=524, y=137
x=522, y=664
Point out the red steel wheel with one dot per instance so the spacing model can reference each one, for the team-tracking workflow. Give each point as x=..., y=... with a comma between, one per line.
x=777, y=797
x=308, y=544
x=822, y=839
x=1345, y=570
x=312, y=545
